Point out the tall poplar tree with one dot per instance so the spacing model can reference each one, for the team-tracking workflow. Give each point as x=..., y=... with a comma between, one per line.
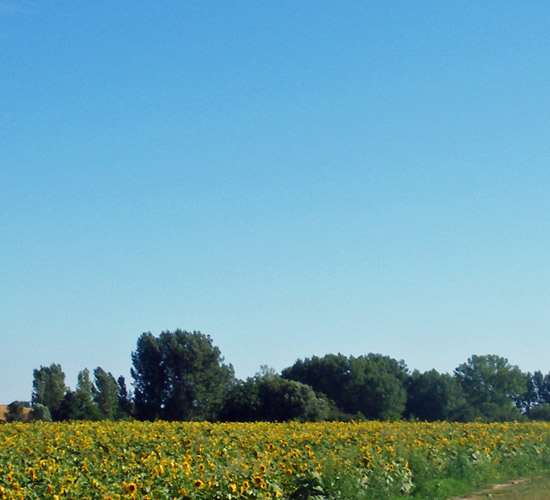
x=49, y=388
x=105, y=393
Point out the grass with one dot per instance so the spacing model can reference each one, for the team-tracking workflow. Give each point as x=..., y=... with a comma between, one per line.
x=535, y=488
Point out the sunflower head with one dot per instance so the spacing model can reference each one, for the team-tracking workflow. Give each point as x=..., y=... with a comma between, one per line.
x=129, y=488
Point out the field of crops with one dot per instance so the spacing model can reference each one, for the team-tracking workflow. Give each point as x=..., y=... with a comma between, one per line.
x=107, y=460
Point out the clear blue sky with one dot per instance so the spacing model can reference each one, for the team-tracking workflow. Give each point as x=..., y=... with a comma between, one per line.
x=291, y=178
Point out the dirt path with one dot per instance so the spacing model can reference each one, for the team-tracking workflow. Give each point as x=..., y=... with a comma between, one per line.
x=493, y=490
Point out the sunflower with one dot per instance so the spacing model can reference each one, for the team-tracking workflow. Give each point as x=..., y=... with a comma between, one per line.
x=129, y=488
x=245, y=486
x=32, y=474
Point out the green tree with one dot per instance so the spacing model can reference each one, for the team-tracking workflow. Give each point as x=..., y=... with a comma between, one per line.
x=179, y=376
x=49, y=388
x=282, y=400
x=373, y=386
x=79, y=404
x=85, y=395
x=125, y=403
x=330, y=375
x=434, y=396
x=492, y=386
x=41, y=412
x=105, y=394
x=268, y=397
x=540, y=412
x=15, y=412
x=377, y=387
x=150, y=378
x=537, y=392
x=68, y=409
x=242, y=403
x=543, y=389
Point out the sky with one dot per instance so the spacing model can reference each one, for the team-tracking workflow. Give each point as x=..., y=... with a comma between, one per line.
x=291, y=178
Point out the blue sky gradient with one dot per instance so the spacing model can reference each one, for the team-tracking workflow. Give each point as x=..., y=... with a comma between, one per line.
x=292, y=178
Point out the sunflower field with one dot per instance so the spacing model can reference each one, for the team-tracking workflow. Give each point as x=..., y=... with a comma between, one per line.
x=199, y=460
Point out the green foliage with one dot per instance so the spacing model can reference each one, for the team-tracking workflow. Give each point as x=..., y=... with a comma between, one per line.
x=373, y=385
x=49, y=388
x=283, y=400
x=377, y=387
x=442, y=488
x=85, y=396
x=310, y=487
x=79, y=404
x=41, y=412
x=105, y=394
x=434, y=396
x=179, y=376
x=243, y=402
x=125, y=404
x=15, y=412
x=541, y=412
x=269, y=397
x=68, y=410
x=150, y=377
x=491, y=385
x=537, y=392
x=329, y=375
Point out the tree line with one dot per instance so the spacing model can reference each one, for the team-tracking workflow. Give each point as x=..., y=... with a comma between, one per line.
x=182, y=375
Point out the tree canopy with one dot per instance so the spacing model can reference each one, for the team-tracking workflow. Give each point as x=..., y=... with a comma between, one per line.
x=492, y=386
x=372, y=386
x=182, y=375
x=272, y=398
x=49, y=388
x=435, y=396
x=179, y=376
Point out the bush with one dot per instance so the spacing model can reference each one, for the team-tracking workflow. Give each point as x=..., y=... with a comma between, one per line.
x=41, y=412
x=541, y=412
x=15, y=412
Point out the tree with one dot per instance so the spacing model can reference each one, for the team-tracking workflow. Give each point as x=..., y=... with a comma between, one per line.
x=434, y=396
x=372, y=386
x=492, y=386
x=179, y=376
x=540, y=412
x=41, y=412
x=85, y=396
x=68, y=409
x=125, y=404
x=268, y=397
x=242, y=403
x=49, y=388
x=79, y=404
x=537, y=392
x=329, y=375
x=105, y=394
x=282, y=400
x=377, y=387
x=150, y=378
x=15, y=412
